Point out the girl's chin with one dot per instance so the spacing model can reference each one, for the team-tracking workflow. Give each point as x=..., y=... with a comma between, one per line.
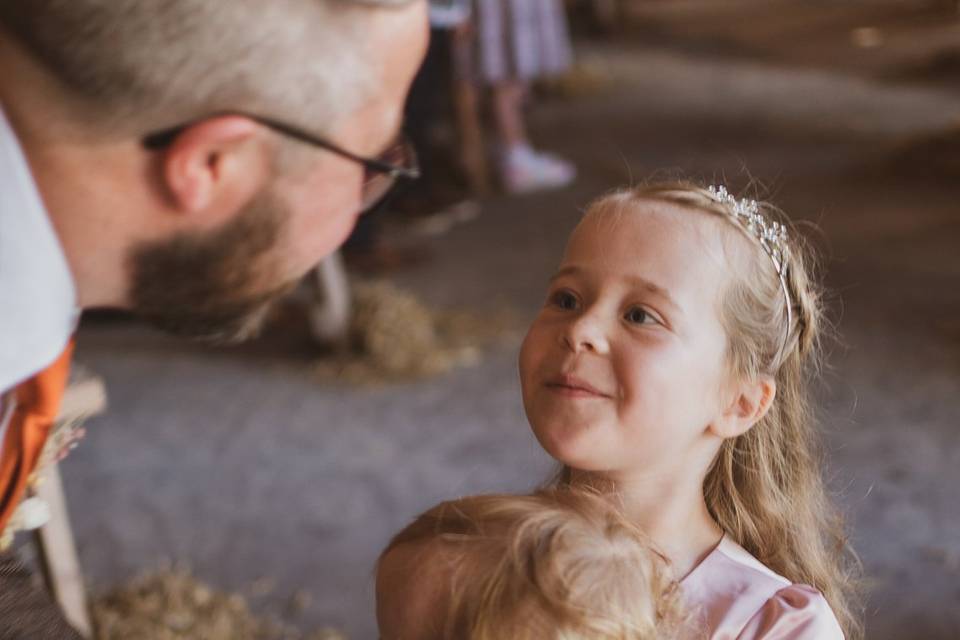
x=569, y=446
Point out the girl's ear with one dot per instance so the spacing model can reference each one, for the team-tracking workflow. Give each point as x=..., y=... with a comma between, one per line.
x=750, y=402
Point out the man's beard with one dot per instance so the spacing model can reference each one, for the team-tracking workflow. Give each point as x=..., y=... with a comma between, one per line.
x=216, y=285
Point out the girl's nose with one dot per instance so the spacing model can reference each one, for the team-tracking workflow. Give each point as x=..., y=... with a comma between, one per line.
x=586, y=333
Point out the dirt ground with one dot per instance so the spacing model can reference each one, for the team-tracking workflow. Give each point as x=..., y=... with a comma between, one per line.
x=242, y=463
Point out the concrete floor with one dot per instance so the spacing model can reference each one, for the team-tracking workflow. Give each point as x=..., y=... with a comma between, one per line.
x=241, y=463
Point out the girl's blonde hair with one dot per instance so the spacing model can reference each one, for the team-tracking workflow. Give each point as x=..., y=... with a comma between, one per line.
x=561, y=564
x=765, y=487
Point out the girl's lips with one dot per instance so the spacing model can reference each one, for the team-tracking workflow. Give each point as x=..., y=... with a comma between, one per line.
x=571, y=386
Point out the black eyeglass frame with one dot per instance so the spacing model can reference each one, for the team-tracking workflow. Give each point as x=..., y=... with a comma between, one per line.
x=160, y=139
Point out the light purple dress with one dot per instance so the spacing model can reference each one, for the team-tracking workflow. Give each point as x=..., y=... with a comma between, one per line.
x=735, y=597
x=521, y=39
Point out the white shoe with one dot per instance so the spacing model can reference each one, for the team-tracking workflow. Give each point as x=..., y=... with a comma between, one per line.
x=523, y=170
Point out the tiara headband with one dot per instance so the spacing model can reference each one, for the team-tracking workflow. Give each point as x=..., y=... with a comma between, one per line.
x=772, y=237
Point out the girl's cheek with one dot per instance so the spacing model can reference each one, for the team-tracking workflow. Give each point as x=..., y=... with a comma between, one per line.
x=630, y=361
x=541, y=334
x=531, y=350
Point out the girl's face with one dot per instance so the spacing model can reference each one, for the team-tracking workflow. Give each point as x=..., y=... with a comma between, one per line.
x=624, y=367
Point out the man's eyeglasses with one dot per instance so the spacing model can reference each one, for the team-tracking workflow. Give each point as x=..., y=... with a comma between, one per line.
x=381, y=174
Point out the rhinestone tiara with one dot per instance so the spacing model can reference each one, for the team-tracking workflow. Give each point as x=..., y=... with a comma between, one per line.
x=771, y=235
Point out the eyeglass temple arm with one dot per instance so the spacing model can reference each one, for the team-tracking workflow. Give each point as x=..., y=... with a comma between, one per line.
x=161, y=139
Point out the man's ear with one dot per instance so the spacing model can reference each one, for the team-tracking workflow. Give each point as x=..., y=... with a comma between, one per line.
x=750, y=402
x=214, y=167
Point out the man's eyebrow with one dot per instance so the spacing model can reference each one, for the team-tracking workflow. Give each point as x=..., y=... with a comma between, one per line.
x=637, y=281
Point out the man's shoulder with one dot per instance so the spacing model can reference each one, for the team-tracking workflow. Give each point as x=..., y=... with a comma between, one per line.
x=37, y=292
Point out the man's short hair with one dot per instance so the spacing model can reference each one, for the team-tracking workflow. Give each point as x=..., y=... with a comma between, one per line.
x=139, y=65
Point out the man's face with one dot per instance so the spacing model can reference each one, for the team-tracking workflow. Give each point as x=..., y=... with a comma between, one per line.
x=219, y=284
x=324, y=202
x=216, y=286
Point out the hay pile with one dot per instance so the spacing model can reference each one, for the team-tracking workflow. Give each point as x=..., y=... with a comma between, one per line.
x=395, y=337
x=170, y=604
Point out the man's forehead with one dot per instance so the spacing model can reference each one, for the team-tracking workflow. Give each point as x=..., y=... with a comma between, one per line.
x=399, y=43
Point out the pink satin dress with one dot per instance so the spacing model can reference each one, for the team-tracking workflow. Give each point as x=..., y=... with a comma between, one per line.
x=734, y=597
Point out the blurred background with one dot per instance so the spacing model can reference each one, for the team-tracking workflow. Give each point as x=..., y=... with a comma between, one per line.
x=278, y=470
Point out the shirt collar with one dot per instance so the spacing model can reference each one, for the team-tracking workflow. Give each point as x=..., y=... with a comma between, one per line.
x=38, y=308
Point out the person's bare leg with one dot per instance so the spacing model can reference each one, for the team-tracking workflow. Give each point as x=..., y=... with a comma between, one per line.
x=508, y=114
x=466, y=102
x=521, y=167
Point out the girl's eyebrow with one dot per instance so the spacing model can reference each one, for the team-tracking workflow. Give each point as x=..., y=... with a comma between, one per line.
x=637, y=281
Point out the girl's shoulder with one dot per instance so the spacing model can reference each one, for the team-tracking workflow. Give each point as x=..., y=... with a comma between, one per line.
x=731, y=594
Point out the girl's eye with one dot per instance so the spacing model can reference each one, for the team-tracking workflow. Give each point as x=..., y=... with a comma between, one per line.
x=563, y=300
x=639, y=315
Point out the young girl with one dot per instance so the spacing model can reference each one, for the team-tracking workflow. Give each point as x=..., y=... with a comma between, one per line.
x=562, y=563
x=671, y=361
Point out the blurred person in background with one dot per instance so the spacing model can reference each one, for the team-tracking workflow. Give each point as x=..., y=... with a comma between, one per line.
x=188, y=161
x=519, y=41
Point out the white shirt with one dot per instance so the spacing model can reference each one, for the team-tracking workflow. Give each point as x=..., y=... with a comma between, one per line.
x=38, y=301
